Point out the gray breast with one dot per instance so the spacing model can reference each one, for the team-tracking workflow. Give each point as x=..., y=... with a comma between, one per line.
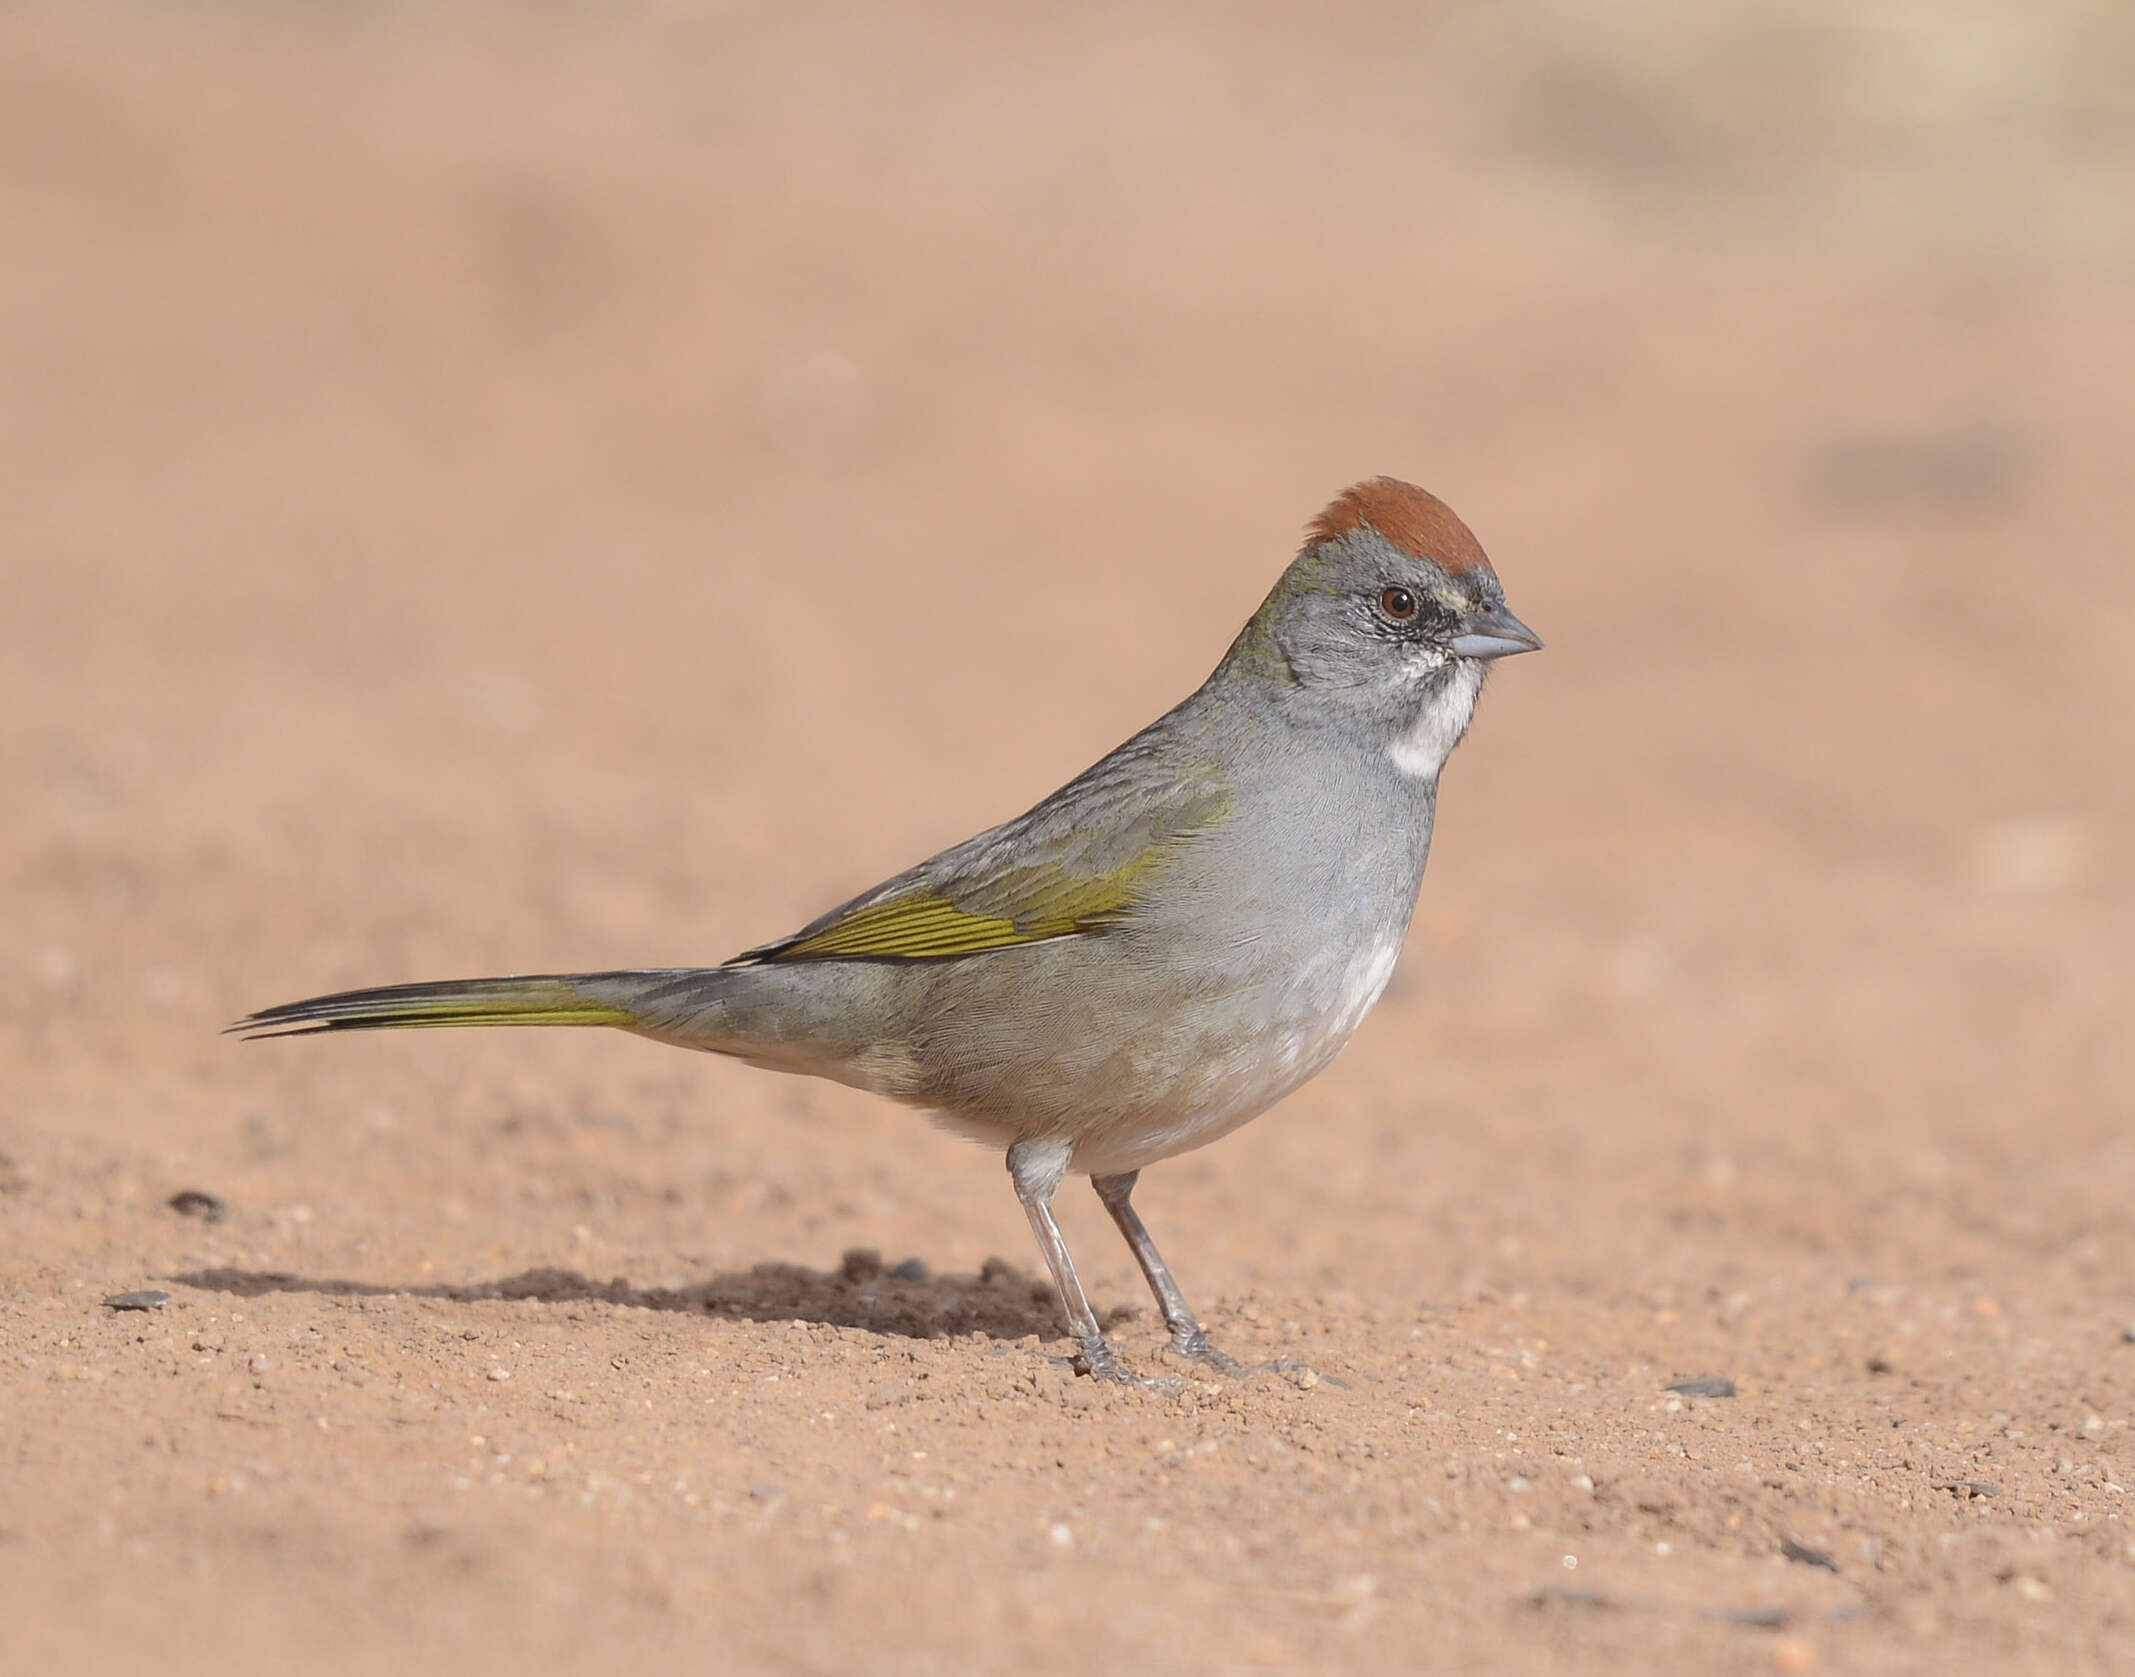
x=1267, y=946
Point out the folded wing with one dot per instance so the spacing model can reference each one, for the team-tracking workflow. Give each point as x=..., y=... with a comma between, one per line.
x=1077, y=865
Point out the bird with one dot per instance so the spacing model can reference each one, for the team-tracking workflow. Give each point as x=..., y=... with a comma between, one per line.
x=1148, y=958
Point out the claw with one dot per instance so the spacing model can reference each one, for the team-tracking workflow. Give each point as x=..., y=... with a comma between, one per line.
x=1096, y=1360
x=1194, y=1347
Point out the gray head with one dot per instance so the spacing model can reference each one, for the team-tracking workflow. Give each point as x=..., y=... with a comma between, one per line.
x=1384, y=623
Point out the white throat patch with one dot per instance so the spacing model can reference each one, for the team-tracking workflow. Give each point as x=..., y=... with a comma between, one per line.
x=1422, y=751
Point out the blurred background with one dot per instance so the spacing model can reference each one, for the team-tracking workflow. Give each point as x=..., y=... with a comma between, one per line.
x=494, y=486
x=497, y=488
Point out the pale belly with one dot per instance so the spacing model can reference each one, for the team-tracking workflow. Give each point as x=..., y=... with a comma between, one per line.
x=1233, y=1088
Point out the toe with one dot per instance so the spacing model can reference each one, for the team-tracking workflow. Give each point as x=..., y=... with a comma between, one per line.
x=1195, y=1348
x=1098, y=1362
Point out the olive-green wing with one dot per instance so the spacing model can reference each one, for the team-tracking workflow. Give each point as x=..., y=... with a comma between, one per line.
x=1024, y=905
x=1080, y=863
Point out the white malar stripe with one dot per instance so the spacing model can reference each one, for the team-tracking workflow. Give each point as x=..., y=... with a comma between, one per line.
x=1422, y=751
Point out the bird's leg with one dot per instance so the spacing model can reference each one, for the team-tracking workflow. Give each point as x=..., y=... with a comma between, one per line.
x=1188, y=1339
x=1036, y=1168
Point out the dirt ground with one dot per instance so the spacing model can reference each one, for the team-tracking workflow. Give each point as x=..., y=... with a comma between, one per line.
x=503, y=489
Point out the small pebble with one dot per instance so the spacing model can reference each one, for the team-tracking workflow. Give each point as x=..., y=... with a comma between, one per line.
x=1804, y=1555
x=912, y=1269
x=1791, y=1653
x=148, y=1298
x=1967, y=1488
x=1715, y=1387
x=198, y=1202
x=500, y=1374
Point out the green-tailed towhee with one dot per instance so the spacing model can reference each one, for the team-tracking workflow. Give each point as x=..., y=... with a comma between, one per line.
x=1159, y=951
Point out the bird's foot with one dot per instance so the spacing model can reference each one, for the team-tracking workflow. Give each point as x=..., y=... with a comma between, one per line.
x=1102, y=1366
x=1095, y=1362
x=1095, y=1359
x=1193, y=1345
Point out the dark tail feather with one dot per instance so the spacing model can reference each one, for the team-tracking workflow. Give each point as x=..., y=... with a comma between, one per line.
x=593, y=998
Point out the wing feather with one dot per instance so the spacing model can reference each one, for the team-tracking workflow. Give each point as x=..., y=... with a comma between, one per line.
x=1076, y=865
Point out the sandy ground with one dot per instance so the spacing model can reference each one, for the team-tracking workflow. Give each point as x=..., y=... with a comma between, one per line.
x=491, y=491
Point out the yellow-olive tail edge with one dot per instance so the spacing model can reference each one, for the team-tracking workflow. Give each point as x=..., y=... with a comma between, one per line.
x=580, y=999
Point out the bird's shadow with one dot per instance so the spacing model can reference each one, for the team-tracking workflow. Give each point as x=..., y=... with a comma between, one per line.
x=1000, y=1302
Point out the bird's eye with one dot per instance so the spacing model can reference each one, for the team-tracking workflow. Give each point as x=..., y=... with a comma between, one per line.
x=1398, y=603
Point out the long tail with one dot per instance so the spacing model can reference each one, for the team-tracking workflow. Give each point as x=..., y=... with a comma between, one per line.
x=619, y=999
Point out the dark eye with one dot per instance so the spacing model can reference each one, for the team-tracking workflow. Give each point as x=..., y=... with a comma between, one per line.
x=1398, y=603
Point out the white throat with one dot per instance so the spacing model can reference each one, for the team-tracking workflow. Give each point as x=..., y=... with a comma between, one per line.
x=1422, y=751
